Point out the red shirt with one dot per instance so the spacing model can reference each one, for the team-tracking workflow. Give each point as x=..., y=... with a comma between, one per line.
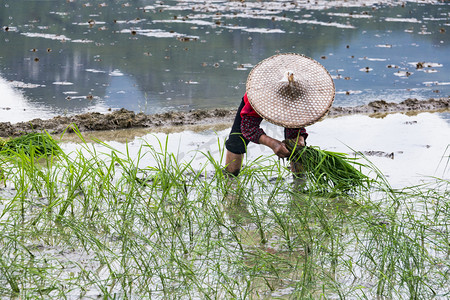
x=250, y=125
x=248, y=110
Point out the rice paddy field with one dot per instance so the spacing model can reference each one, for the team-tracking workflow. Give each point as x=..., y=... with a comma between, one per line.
x=135, y=214
x=155, y=218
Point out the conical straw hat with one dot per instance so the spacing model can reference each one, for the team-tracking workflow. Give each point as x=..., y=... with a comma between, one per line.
x=290, y=90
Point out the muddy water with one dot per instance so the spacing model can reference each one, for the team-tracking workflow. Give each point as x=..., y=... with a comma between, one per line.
x=63, y=58
x=68, y=57
x=406, y=148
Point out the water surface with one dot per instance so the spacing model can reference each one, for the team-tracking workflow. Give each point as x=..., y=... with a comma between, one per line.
x=65, y=57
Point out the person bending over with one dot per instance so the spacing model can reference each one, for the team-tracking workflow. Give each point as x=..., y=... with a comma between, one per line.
x=289, y=90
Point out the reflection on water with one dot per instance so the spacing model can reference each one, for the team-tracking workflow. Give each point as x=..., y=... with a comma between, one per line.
x=154, y=56
x=14, y=106
x=412, y=147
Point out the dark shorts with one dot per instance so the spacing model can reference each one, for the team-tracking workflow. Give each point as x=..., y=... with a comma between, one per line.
x=236, y=142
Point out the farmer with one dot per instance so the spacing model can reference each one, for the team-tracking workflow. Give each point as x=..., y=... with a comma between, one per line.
x=290, y=90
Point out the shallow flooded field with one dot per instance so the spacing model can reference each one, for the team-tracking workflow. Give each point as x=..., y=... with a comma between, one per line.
x=154, y=217
x=147, y=213
x=65, y=57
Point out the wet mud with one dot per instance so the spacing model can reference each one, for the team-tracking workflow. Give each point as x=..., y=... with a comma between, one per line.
x=390, y=155
x=125, y=119
x=382, y=107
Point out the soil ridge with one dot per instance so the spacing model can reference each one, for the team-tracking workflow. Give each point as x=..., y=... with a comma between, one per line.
x=123, y=119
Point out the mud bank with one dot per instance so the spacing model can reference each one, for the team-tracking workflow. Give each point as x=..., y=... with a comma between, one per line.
x=123, y=119
x=381, y=106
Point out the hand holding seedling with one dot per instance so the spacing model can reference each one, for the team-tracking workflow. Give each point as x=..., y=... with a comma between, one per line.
x=279, y=148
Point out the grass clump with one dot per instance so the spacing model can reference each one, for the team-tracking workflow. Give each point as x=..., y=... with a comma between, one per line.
x=34, y=143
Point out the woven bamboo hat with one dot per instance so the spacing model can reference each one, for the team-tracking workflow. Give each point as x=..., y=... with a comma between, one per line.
x=290, y=90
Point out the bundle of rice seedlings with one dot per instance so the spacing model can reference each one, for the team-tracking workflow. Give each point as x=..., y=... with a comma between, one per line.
x=328, y=170
x=40, y=144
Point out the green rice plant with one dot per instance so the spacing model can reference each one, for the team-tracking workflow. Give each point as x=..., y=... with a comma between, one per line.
x=96, y=223
x=40, y=144
x=328, y=170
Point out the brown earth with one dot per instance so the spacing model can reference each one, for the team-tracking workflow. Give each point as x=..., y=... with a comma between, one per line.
x=123, y=119
x=381, y=106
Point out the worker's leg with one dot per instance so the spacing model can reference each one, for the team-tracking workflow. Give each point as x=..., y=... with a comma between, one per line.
x=233, y=162
x=299, y=176
x=298, y=172
x=236, y=145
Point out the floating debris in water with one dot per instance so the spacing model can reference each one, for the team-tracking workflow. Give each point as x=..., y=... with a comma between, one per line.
x=263, y=30
x=422, y=65
x=90, y=23
x=94, y=71
x=351, y=15
x=186, y=38
x=384, y=46
x=430, y=83
x=158, y=33
x=403, y=73
x=374, y=59
x=62, y=83
x=50, y=36
x=116, y=73
x=192, y=82
x=403, y=20
x=392, y=66
x=19, y=84
x=330, y=24
x=60, y=13
x=83, y=41
x=390, y=155
x=349, y=92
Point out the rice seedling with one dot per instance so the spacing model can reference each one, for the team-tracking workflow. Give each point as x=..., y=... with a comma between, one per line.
x=40, y=144
x=98, y=222
x=328, y=170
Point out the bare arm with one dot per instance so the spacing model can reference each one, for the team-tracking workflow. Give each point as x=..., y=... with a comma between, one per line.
x=279, y=148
